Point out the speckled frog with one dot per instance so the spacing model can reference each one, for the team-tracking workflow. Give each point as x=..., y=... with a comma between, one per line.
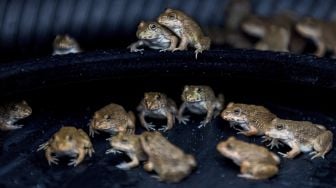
x=200, y=99
x=68, y=141
x=301, y=136
x=322, y=33
x=113, y=119
x=129, y=144
x=255, y=162
x=12, y=112
x=64, y=44
x=186, y=29
x=252, y=119
x=168, y=161
x=157, y=105
x=155, y=36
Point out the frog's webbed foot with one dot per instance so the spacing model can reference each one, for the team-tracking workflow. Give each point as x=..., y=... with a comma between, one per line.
x=164, y=50
x=273, y=142
x=52, y=160
x=203, y=124
x=113, y=151
x=156, y=177
x=43, y=146
x=73, y=162
x=178, y=49
x=198, y=51
x=150, y=127
x=92, y=132
x=183, y=119
x=164, y=129
x=123, y=166
x=11, y=127
x=247, y=176
x=316, y=154
x=90, y=151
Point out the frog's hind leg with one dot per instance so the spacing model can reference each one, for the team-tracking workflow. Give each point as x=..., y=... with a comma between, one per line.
x=322, y=144
x=257, y=170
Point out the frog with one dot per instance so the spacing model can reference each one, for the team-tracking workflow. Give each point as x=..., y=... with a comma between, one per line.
x=273, y=37
x=112, y=119
x=167, y=160
x=64, y=44
x=200, y=99
x=253, y=120
x=301, y=136
x=255, y=162
x=322, y=33
x=189, y=32
x=129, y=144
x=68, y=141
x=11, y=112
x=154, y=36
x=157, y=105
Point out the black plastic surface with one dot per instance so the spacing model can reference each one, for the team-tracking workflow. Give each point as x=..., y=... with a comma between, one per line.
x=67, y=90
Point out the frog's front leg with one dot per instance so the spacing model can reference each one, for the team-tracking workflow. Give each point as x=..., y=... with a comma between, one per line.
x=50, y=158
x=292, y=153
x=209, y=116
x=173, y=43
x=133, y=163
x=144, y=123
x=9, y=126
x=183, y=44
x=79, y=159
x=170, y=122
x=134, y=47
x=321, y=49
x=182, y=119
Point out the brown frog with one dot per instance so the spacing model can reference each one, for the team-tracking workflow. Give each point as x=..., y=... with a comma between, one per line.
x=322, y=33
x=112, y=119
x=255, y=162
x=130, y=144
x=68, y=141
x=274, y=37
x=64, y=44
x=157, y=105
x=168, y=161
x=186, y=29
x=301, y=136
x=155, y=36
x=200, y=99
x=252, y=119
x=12, y=112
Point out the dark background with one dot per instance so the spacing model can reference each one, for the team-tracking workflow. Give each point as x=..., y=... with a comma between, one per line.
x=28, y=27
x=67, y=90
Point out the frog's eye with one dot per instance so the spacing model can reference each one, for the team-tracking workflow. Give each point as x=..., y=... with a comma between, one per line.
x=279, y=126
x=124, y=140
x=152, y=27
x=107, y=117
x=157, y=97
x=229, y=146
x=69, y=138
x=237, y=111
x=172, y=16
x=199, y=90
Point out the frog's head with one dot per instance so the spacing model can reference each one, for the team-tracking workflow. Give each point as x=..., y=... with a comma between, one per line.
x=171, y=18
x=149, y=30
x=309, y=27
x=235, y=113
x=105, y=123
x=155, y=100
x=19, y=110
x=279, y=129
x=255, y=26
x=123, y=142
x=195, y=93
x=65, y=42
x=65, y=139
x=231, y=148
